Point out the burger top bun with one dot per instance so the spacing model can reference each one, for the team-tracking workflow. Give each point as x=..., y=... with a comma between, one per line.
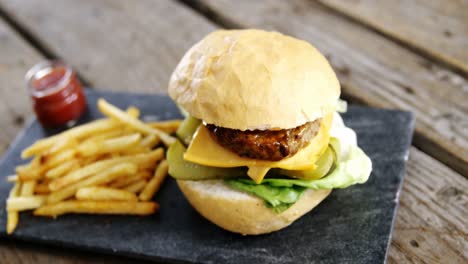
x=254, y=79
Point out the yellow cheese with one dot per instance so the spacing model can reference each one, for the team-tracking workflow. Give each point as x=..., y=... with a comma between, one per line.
x=206, y=151
x=257, y=173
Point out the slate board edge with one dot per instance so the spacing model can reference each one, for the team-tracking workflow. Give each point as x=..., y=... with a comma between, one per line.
x=412, y=119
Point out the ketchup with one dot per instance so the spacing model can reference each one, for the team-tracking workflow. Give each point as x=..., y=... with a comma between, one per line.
x=57, y=94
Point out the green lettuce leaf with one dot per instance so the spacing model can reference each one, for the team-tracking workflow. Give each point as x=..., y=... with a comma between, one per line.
x=280, y=194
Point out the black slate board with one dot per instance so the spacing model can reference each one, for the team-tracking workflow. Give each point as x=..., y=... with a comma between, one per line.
x=351, y=226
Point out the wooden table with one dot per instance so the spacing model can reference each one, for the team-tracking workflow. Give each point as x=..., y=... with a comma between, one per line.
x=405, y=54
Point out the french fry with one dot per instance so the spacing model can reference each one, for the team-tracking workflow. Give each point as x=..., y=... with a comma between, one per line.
x=114, y=112
x=62, y=169
x=143, y=160
x=128, y=179
x=109, y=146
x=30, y=171
x=104, y=193
x=62, y=144
x=12, y=178
x=82, y=131
x=42, y=188
x=13, y=216
x=133, y=111
x=168, y=126
x=104, y=136
x=134, y=151
x=150, y=141
x=41, y=164
x=19, y=204
x=28, y=188
x=149, y=162
x=82, y=173
x=102, y=177
x=155, y=183
x=50, y=161
x=136, y=186
x=97, y=207
x=101, y=165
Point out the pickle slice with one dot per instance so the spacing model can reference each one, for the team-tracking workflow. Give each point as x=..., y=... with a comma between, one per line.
x=187, y=129
x=181, y=169
x=324, y=164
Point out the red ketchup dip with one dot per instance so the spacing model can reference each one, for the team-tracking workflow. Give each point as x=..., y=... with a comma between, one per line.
x=57, y=94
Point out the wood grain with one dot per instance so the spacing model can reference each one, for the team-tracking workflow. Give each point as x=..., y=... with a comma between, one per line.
x=116, y=45
x=433, y=197
x=437, y=28
x=371, y=70
x=16, y=56
x=431, y=222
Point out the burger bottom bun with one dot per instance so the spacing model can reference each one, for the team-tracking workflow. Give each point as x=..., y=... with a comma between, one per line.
x=240, y=212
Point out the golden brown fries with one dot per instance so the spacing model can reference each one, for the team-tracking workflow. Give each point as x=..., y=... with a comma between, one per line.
x=136, y=186
x=97, y=207
x=127, y=180
x=100, y=178
x=13, y=216
x=108, y=166
x=168, y=126
x=113, y=112
x=105, y=194
x=155, y=183
x=25, y=203
x=28, y=188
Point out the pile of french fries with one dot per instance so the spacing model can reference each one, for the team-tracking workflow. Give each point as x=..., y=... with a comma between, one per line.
x=113, y=165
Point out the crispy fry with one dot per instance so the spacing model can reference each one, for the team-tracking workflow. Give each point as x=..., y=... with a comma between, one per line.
x=82, y=131
x=143, y=160
x=128, y=179
x=30, y=171
x=168, y=126
x=28, y=188
x=136, y=186
x=150, y=141
x=25, y=203
x=62, y=144
x=104, y=193
x=155, y=183
x=42, y=188
x=82, y=173
x=97, y=207
x=109, y=146
x=62, y=169
x=133, y=111
x=12, y=178
x=102, y=177
x=114, y=112
x=13, y=216
x=41, y=164
x=103, y=136
x=50, y=161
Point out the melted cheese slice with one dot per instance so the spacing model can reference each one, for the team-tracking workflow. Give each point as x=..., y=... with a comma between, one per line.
x=206, y=151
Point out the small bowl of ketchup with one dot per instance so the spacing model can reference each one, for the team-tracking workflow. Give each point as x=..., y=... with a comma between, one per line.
x=57, y=94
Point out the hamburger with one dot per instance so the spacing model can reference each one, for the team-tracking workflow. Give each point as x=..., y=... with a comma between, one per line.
x=262, y=143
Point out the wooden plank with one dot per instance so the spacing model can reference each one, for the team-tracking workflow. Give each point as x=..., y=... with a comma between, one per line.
x=16, y=56
x=371, y=69
x=431, y=221
x=438, y=28
x=117, y=45
x=422, y=169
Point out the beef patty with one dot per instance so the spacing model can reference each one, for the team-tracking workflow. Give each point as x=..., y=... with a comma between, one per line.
x=270, y=145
